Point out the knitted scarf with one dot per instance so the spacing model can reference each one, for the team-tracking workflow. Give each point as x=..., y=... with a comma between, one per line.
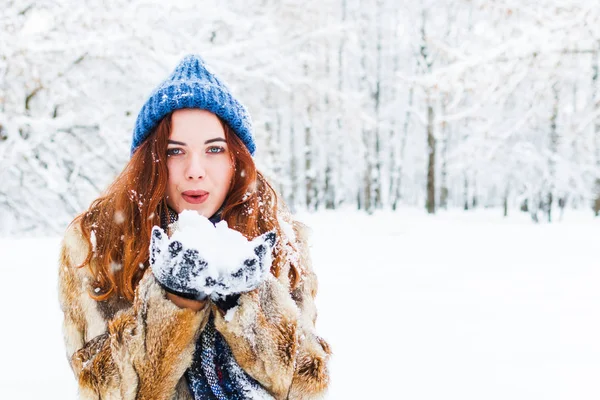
x=214, y=373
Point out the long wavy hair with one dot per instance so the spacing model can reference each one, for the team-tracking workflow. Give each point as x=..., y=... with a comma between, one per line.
x=117, y=225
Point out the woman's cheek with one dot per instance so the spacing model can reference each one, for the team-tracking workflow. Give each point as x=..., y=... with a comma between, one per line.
x=175, y=169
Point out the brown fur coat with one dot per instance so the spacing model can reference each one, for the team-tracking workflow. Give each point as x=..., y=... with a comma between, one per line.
x=140, y=351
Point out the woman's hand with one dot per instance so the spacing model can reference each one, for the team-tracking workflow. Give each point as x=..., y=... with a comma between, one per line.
x=176, y=269
x=250, y=273
x=190, y=280
x=182, y=302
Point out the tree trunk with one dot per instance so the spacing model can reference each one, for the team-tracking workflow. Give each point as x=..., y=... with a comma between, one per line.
x=553, y=153
x=466, y=193
x=596, y=99
x=293, y=169
x=431, y=161
x=396, y=189
x=377, y=175
x=444, y=168
x=431, y=145
x=505, y=201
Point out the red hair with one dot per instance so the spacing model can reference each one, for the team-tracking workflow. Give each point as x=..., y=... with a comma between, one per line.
x=121, y=220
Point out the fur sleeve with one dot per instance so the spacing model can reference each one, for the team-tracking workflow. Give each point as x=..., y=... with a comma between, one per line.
x=272, y=334
x=142, y=352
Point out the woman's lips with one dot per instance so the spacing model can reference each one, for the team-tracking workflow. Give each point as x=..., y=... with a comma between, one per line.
x=194, y=197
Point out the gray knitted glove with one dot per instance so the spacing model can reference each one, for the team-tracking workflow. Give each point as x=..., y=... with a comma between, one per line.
x=250, y=273
x=176, y=268
x=182, y=270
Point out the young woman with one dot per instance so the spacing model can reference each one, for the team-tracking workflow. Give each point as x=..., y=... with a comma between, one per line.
x=130, y=335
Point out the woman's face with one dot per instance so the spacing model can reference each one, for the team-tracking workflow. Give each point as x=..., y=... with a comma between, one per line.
x=199, y=162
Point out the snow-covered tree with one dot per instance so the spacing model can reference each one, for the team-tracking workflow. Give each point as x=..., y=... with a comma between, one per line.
x=362, y=104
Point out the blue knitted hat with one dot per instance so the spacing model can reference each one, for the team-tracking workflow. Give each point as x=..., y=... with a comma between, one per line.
x=192, y=85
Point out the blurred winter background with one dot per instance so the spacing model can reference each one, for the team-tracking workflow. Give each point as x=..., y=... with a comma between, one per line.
x=445, y=153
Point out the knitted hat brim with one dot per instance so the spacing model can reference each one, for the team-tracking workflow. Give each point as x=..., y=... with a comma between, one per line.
x=193, y=94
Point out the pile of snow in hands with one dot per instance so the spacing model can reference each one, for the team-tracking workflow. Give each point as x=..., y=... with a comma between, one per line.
x=220, y=254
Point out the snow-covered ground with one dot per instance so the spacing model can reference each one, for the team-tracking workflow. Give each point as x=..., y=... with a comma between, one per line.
x=457, y=306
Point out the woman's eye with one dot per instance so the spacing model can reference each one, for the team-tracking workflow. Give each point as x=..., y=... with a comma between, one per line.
x=215, y=149
x=173, y=152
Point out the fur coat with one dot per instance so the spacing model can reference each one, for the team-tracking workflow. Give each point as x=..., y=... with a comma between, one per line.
x=119, y=350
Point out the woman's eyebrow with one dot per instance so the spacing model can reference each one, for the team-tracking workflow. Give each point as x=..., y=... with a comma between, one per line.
x=219, y=139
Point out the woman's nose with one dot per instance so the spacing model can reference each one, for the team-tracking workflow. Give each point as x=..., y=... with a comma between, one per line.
x=195, y=168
